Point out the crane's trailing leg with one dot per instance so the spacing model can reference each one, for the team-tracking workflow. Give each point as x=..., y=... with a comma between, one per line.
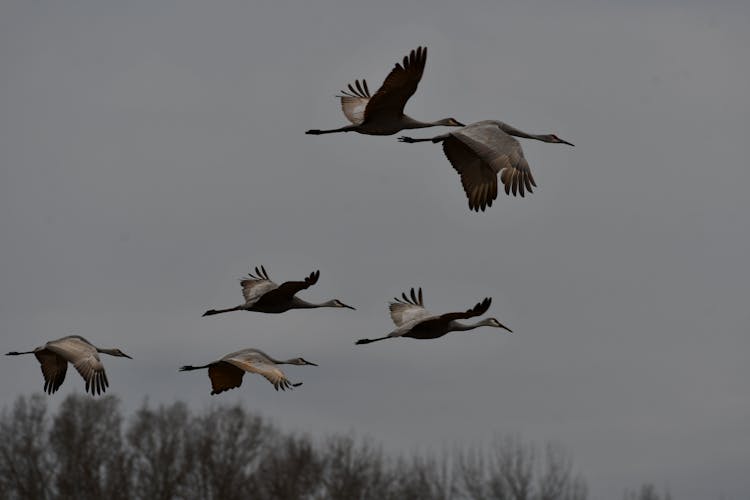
x=348, y=128
x=411, y=140
x=211, y=312
x=369, y=341
x=436, y=139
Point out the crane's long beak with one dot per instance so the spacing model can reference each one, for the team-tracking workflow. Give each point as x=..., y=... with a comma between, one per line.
x=568, y=143
x=126, y=355
x=504, y=327
x=348, y=307
x=309, y=363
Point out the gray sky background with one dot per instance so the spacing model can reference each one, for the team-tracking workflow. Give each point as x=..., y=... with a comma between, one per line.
x=152, y=151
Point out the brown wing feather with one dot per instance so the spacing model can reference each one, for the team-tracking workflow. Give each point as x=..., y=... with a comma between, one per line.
x=92, y=371
x=54, y=368
x=478, y=309
x=477, y=177
x=224, y=376
x=256, y=285
x=354, y=101
x=405, y=309
x=289, y=288
x=399, y=86
x=502, y=153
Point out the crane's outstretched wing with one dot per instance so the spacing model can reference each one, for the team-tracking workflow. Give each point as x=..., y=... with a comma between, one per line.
x=478, y=309
x=289, y=288
x=399, y=86
x=256, y=285
x=54, y=368
x=255, y=363
x=92, y=371
x=406, y=310
x=479, y=153
x=354, y=101
x=224, y=376
x=84, y=358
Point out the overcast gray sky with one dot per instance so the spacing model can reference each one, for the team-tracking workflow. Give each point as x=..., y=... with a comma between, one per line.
x=151, y=152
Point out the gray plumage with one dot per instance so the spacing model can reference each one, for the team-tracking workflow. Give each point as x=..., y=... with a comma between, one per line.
x=413, y=320
x=383, y=112
x=227, y=372
x=55, y=355
x=481, y=151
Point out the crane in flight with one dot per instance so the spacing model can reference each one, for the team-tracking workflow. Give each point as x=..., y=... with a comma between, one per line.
x=481, y=151
x=263, y=295
x=414, y=321
x=55, y=355
x=227, y=372
x=383, y=112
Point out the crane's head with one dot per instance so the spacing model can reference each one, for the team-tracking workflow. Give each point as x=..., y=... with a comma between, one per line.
x=496, y=324
x=554, y=139
x=301, y=361
x=451, y=122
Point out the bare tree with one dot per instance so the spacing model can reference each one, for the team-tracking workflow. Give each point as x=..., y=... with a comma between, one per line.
x=291, y=469
x=25, y=464
x=224, y=447
x=647, y=491
x=157, y=439
x=87, y=444
x=471, y=472
x=556, y=480
x=423, y=477
x=512, y=470
x=351, y=471
x=228, y=453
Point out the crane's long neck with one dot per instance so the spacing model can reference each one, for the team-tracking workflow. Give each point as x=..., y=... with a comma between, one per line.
x=462, y=327
x=520, y=133
x=409, y=122
x=111, y=352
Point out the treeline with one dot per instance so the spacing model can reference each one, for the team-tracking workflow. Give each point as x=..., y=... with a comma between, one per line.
x=87, y=451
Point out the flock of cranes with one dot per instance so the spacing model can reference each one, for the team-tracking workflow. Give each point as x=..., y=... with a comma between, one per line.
x=479, y=152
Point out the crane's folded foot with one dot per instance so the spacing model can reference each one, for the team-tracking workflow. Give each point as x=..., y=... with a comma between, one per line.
x=404, y=138
x=314, y=132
